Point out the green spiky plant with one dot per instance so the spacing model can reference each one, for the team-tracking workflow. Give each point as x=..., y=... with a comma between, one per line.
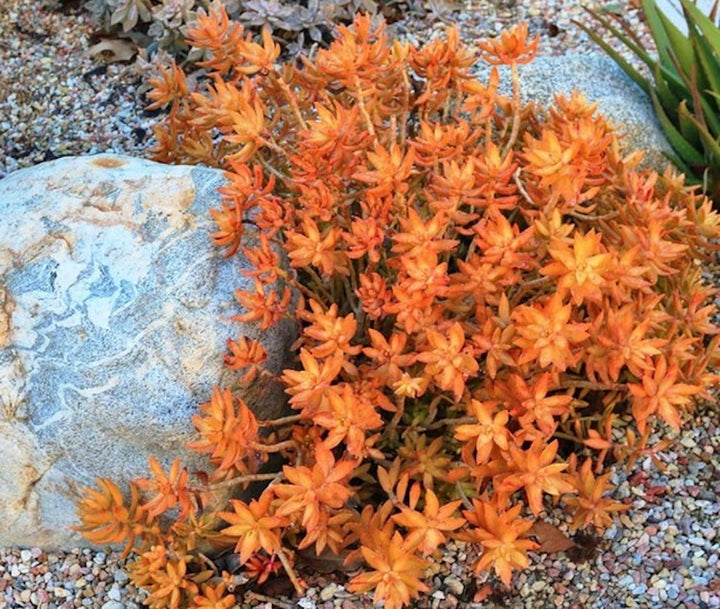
x=685, y=86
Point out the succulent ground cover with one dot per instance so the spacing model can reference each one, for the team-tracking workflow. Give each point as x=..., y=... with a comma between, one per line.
x=493, y=305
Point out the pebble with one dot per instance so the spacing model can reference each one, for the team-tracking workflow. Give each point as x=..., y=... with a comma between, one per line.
x=454, y=585
x=114, y=593
x=328, y=592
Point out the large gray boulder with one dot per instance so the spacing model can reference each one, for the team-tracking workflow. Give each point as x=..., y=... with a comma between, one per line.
x=600, y=79
x=114, y=313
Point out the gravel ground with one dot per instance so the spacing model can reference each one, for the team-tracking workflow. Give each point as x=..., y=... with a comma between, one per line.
x=56, y=101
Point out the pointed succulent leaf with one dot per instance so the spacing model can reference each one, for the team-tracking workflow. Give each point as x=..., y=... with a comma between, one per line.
x=657, y=29
x=666, y=71
x=678, y=78
x=702, y=110
x=709, y=65
x=687, y=127
x=637, y=50
x=711, y=144
x=667, y=96
x=695, y=17
x=680, y=44
x=638, y=78
x=684, y=149
x=712, y=118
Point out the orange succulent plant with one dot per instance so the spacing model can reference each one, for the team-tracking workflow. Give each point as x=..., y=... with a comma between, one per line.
x=502, y=536
x=253, y=527
x=590, y=505
x=481, y=287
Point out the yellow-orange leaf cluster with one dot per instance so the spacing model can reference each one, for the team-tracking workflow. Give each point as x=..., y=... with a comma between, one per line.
x=481, y=288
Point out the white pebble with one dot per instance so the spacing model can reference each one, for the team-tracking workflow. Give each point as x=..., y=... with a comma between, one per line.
x=114, y=593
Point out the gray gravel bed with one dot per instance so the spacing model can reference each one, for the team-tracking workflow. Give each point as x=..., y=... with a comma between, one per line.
x=57, y=101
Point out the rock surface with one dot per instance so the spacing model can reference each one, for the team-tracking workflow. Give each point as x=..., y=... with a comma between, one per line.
x=601, y=80
x=114, y=313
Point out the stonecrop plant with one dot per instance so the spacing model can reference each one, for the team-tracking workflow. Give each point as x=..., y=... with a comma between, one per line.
x=493, y=305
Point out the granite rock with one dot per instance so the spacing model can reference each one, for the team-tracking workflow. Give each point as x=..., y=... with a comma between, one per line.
x=115, y=309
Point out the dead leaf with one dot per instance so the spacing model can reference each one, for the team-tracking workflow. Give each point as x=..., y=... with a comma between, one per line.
x=550, y=538
x=113, y=50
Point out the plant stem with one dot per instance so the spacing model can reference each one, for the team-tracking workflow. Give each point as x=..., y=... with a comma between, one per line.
x=521, y=187
x=299, y=588
x=240, y=480
x=516, y=111
x=361, y=105
x=406, y=108
x=457, y=421
x=288, y=420
x=595, y=386
x=293, y=101
x=466, y=502
x=273, y=448
x=270, y=143
x=268, y=167
x=396, y=417
x=567, y=436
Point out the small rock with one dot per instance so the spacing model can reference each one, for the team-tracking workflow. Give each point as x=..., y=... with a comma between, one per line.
x=120, y=577
x=688, y=442
x=454, y=585
x=114, y=593
x=328, y=592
